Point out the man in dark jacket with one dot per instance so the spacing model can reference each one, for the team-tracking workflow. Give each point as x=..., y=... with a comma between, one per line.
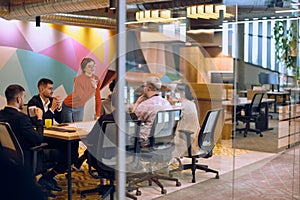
x=51, y=106
x=20, y=123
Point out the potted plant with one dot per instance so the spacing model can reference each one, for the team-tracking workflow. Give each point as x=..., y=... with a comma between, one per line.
x=286, y=46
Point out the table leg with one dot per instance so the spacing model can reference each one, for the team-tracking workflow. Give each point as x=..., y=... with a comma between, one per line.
x=275, y=104
x=267, y=117
x=69, y=171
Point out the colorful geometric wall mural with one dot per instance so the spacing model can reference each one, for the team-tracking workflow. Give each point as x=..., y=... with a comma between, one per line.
x=29, y=53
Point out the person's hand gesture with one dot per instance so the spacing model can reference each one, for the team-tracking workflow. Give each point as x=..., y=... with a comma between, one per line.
x=142, y=98
x=56, y=103
x=39, y=113
x=94, y=83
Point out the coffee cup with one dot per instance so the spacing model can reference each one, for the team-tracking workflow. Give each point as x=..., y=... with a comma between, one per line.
x=31, y=111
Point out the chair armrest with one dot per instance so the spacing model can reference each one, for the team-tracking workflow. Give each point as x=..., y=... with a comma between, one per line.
x=35, y=151
x=188, y=140
x=186, y=132
x=38, y=147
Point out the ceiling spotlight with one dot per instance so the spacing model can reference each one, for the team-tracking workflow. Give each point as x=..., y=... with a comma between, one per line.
x=38, y=21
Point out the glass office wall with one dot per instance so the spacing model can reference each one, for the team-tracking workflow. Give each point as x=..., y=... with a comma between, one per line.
x=208, y=61
x=281, y=132
x=240, y=160
x=243, y=162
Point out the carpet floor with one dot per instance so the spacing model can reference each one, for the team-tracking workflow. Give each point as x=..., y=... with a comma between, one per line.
x=256, y=174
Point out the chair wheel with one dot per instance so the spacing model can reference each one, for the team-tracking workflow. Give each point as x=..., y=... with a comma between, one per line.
x=138, y=193
x=178, y=184
x=217, y=176
x=163, y=191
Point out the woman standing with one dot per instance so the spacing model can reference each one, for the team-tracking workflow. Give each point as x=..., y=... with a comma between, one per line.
x=84, y=87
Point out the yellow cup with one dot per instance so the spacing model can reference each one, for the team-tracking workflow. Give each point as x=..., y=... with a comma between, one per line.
x=48, y=123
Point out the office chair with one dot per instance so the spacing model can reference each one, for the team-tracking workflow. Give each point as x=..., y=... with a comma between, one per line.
x=11, y=147
x=160, y=148
x=103, y=163
x=253, y=113
x=206, y=143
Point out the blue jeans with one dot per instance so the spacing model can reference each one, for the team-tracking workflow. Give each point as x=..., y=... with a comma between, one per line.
x=70, y=114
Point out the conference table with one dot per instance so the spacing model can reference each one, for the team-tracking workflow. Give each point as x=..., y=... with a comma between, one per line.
x=243, y=101
x=69, y=133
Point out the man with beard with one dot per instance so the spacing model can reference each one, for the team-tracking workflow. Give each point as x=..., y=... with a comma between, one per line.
x=23, y=129
x=51, y=106
x=55, y=151
x=20, y=122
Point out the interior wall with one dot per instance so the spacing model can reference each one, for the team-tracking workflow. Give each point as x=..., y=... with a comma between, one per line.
x=209, y=56
x=29, y=53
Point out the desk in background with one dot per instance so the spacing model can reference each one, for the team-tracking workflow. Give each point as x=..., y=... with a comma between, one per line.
x=82, y=130
x=242, y=101
x=280, y=97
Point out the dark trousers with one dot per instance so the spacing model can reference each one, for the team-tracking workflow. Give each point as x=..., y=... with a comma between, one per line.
x=57, y=153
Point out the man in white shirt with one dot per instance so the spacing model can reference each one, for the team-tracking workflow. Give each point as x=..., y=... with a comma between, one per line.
x=148, y=104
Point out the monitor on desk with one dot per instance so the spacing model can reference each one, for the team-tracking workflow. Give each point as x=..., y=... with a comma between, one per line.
x=268, y=78
x=222, y=77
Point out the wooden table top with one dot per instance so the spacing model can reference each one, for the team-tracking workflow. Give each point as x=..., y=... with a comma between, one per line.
x=81, y=131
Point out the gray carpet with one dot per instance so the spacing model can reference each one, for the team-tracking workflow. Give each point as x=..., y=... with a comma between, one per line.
x=267, y=143
x=270, y=179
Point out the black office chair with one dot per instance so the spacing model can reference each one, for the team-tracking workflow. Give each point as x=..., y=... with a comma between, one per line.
x=103, y=163
x=206, y=143
x=11, y=147
x=160, y=148
x=252, y=113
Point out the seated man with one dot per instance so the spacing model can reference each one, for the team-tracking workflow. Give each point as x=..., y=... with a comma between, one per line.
x=93, y=136
x=106, y=109
x=20, y=123
x=51, y=108
x=147, y=105
x=22, y=126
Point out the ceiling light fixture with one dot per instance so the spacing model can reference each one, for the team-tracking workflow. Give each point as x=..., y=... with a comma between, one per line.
x=112, y=4
x=208, y=11
x=153, y=15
